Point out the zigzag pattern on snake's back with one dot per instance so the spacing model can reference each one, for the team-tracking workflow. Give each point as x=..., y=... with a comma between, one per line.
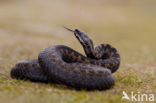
x=61, y=64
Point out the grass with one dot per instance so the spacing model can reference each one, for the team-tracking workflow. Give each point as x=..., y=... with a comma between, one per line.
x=28, y=26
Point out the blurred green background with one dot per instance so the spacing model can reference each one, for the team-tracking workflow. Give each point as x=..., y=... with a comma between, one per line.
x=27, y=26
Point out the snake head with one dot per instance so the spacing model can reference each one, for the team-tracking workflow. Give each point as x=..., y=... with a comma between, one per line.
x=83, y=38
x=85, y=41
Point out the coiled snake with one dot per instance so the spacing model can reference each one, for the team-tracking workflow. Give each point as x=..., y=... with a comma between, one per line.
x=63, y=65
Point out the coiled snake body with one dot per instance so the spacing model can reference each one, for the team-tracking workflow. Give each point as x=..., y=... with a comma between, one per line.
x=61, y=64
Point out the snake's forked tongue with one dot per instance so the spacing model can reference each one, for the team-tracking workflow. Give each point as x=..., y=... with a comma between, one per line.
x=68, y=29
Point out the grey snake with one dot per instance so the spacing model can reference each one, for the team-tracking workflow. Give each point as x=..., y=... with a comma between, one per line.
x=63, y=65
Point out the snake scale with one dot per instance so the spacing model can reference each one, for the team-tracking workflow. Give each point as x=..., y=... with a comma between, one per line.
x=63, y=65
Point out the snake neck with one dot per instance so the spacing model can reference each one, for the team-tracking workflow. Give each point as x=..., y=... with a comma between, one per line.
x=91, y=51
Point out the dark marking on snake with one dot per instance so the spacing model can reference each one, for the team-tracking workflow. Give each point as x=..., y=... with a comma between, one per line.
x=63, y=65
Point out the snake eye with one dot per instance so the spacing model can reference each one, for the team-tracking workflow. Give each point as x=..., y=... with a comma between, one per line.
x=77, y=31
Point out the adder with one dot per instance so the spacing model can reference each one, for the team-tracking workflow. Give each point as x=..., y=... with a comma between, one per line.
x=63, y=65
